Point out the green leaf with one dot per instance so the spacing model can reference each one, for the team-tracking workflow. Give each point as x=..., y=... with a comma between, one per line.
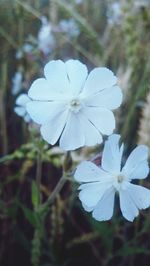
x=30, y=215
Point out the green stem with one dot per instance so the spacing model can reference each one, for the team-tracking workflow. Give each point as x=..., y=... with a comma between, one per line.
x=8, y=38
x=39, y=170
x=55, y=192
x=29, y=9
x=3, y=108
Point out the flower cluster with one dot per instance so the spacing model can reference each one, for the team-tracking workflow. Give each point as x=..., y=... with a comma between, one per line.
x=75, y=108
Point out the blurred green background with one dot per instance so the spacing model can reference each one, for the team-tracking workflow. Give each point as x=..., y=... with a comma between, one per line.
x=115, y=34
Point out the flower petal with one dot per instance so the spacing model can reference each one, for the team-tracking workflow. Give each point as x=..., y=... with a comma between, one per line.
x=52, y=130
x=136, y=166
x=42, y=112
x=112, y=154
x=100, y=78
x=103, y=119
x=27, y=118
x=77, y=74
x=92, y=193
x=128, y=207
x=19, y=110
x=41, y=90
x=110, y=98
x=140, y=195
x=72, y=136
x=105, y=207
x=22, y=99
x=92, y=135
x=89, y=172
x=86, y=208
x=56, y=74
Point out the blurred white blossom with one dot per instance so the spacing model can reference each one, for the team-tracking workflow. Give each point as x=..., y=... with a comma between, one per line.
x=17, y=82
x=70, y=27
x=114, y=13
x=99, y=184
x=46, y=41
x=20, y=108
x=72, y=106
x=27, y=48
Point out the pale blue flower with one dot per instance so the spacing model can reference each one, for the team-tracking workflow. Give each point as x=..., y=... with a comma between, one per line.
x=26, y=49
x=99, y=184
x=70, y=27
x=46, y=41
x=73, y=106
x=114, y=13
x=17, y=82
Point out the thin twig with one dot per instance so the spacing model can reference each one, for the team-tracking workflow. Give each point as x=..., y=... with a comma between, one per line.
x=29, y=9
x=8, y=38
x=55, y=192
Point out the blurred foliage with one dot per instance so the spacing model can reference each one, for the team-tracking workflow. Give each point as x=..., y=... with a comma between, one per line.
x=64, y=234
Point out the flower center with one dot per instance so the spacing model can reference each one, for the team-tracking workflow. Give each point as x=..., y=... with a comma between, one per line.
x=120, y=178
x=75, y=105
x=119, y=181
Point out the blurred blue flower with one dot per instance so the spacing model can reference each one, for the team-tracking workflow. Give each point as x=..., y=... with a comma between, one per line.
x=17, y=82
x=20, y=109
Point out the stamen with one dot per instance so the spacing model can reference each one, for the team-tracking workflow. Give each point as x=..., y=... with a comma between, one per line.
x=75, y=105
x=120, y=178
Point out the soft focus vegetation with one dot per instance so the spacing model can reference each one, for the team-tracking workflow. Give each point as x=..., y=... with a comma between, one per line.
x=115, y=34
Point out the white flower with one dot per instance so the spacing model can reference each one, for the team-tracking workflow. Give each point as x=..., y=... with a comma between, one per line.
x=72, y=106
x=27, y=48
x=101, y=183
x=17, y=82
x=20, y=109
x=114, y=13
x=70, y=27
x=46, y=40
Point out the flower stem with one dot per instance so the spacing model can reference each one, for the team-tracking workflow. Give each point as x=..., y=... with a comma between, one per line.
x=39, y=171
x=67, y=173
x=55, y=192
x=3, y=117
